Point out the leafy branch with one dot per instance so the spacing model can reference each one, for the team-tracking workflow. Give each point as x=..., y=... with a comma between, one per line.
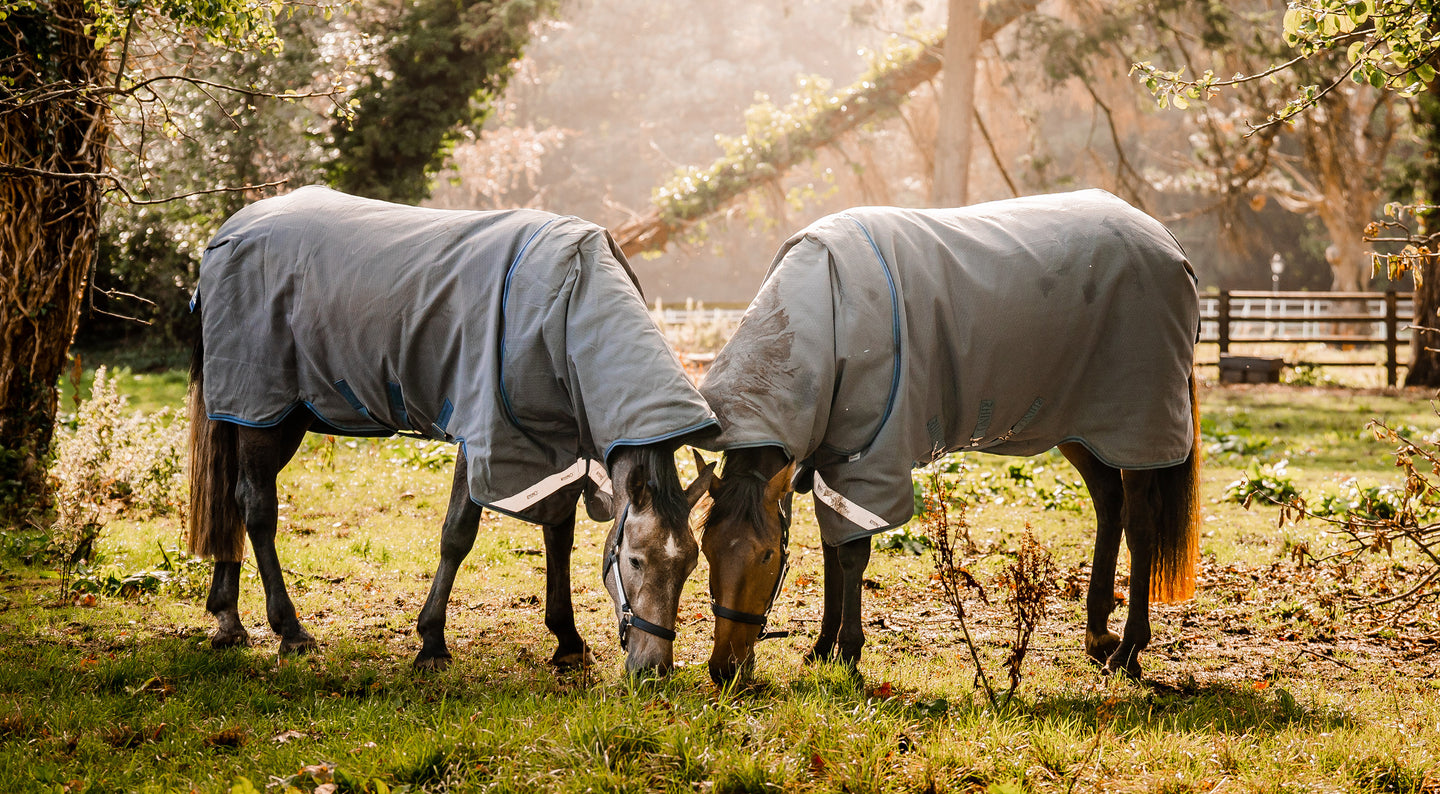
x=1420, y=247
x=1388, y=44
x=1408, y=520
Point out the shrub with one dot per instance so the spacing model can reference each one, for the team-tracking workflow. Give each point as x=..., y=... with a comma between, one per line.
x=112, y=463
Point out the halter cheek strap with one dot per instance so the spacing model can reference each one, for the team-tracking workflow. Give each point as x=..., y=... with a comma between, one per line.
x=628, y=618
x=750, y=618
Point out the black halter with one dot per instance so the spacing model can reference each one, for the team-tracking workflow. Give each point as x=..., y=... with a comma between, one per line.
x=750, y=618
x=628, y=619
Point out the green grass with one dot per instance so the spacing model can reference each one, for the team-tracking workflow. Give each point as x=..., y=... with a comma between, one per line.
x=1264, y=682
x=150, y=379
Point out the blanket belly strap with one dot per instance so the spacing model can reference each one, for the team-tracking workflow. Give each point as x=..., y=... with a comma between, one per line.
x=852, y=512
x=532, y=495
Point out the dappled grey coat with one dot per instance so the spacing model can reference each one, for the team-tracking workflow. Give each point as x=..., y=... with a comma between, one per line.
x=520, y=334
x=883, y=338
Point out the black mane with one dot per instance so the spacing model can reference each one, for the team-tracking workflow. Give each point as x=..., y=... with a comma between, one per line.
x=741, y=493
x=666, y=492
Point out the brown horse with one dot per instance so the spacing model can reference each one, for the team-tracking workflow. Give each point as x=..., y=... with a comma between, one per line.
x=520, y=335
x=883, y=339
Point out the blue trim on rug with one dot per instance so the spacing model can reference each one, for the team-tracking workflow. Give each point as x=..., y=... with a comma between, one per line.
x=320, y=425
x=640, y=442
x=895, y=340
x=397, y=403
x=442, y=422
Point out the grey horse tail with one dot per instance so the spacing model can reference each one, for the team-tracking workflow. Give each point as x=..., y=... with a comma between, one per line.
x=1177, y=541
x=216, y=528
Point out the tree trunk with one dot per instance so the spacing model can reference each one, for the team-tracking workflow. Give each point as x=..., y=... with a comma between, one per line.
x=951, y=183
x=1346, y=157
x=48, y=232
x=1424, y=361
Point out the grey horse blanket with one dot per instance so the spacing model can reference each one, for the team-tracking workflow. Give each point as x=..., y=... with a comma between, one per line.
x=884, y=338
x=520, y=334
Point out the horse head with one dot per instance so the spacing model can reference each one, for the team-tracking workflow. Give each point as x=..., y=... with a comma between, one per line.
x=650, y=551
x=747, y=532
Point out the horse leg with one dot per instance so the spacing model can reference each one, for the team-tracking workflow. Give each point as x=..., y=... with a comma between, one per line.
x=831, y=608
x=1141, y=519
x=263, y=452
x=852, y=558
x=559, y=606
x=1108, y=494
x=223, y=603
x=457, y=537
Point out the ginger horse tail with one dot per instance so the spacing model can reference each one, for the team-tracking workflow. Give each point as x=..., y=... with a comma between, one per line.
x=1176, y=491
x=216, y=528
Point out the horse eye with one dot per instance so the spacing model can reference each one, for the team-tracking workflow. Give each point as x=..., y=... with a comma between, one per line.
x=635, y=563
x=769, y=553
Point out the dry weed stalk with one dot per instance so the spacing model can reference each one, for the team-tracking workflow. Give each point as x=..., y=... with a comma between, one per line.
x=955, y=579
x=1030, y=580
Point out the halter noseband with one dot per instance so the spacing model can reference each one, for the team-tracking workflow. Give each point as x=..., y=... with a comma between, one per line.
x=750, y=618
x=628, y=619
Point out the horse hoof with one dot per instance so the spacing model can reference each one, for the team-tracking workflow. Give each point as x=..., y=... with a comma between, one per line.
x=1102, y=649
x=297, y=647
x=432, y=662
x=1129, y=667
x=816, y=656
x=570, y=660
x=220, y=641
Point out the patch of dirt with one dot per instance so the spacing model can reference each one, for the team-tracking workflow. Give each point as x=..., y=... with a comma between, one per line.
x=1246, y=625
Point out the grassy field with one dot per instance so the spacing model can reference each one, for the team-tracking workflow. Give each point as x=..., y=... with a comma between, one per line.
x=1269, y=680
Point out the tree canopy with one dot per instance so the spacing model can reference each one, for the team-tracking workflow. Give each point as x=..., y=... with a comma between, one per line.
x=445, y=63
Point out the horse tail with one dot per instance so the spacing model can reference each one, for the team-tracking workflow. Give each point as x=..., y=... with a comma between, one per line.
x=216, y=528
x=1176, y=491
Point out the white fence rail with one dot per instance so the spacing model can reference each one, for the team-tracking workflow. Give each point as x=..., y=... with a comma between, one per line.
x=1238, y=317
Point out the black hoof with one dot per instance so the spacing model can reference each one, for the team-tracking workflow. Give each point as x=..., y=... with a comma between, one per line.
x=570, y=660
x=299, y=646
x=439, y=662
x=1130, y=666
x=220, y=640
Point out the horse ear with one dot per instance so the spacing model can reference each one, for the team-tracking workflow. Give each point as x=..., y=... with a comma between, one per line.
x=779, y=485
x=636, y=483
x=704, y=481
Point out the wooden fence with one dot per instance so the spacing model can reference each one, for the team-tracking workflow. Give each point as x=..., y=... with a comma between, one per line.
x=1343, y=319
x=1235, y=317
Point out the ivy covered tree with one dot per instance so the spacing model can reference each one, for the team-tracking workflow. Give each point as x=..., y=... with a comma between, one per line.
x=63, y=74
x=779, y=138
x=446, y=62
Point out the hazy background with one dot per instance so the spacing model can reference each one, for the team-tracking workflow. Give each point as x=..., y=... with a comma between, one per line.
x=614, y=97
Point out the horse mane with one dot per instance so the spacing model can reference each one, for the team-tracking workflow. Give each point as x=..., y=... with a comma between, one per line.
x=666, y=493
x=740, y=494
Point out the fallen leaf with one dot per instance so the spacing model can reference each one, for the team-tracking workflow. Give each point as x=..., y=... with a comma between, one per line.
x=817, y=764
x=320, y=773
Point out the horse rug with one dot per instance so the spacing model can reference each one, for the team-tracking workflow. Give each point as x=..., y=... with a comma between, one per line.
x=884, y=338
x=521, y=335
